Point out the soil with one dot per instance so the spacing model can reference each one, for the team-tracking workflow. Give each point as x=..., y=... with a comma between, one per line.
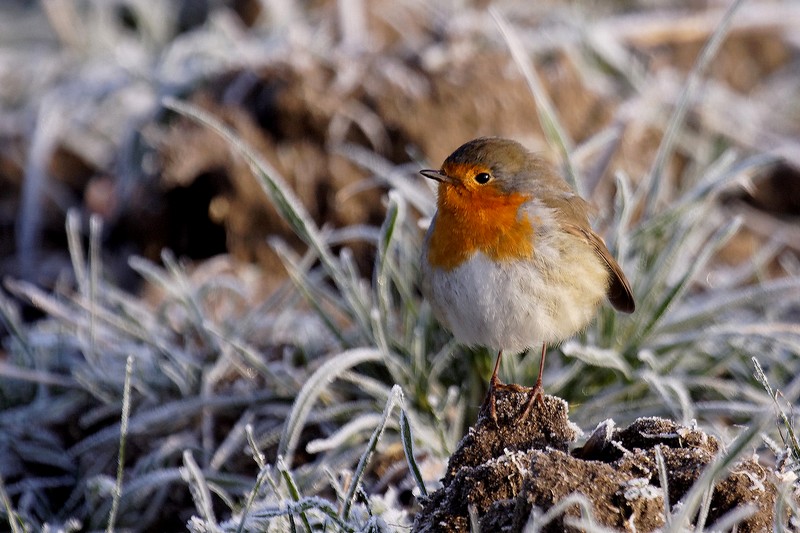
x=509, y=473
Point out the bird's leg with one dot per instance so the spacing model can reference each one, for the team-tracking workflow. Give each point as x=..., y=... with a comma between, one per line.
x=494, y=384
x=537, y=393
x=538, y=388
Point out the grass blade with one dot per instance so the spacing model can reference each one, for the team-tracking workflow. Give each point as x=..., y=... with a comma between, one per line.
x=408, y=448
x=395, y=398
x=652, y=183
x=313, y=388
x=123, y=437
x=294, y=492
x=198, y=486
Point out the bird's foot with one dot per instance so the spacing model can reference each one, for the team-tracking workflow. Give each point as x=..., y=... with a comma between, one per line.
x=497, y=385
x=535, y=395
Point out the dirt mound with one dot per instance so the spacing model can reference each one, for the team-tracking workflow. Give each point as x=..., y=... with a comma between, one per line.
x=507, y=474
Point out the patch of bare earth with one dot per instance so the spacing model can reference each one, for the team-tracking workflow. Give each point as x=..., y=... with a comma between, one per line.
x=512, y=472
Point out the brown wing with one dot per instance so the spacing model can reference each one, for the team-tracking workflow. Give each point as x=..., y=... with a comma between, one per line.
x=619, y=290
x=570, y=208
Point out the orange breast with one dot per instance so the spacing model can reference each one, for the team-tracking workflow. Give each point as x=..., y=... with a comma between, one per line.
x=484, y=220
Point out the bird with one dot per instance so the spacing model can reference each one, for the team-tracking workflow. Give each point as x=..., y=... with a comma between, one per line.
x=510, y=259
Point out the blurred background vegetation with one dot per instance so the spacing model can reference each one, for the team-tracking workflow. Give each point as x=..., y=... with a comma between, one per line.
x=253, y=250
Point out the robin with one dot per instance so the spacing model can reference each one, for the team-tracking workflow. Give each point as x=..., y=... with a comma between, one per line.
x=509, y=259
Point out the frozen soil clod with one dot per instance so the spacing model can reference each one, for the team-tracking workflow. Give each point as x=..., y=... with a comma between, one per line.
x=513, y=471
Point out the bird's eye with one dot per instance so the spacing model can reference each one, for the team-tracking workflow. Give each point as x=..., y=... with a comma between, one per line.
x=482, y=178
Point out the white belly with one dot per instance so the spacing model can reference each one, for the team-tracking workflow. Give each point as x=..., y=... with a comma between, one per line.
x=510, y=306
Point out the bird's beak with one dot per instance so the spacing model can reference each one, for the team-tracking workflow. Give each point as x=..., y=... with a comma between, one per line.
x=436, y=175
